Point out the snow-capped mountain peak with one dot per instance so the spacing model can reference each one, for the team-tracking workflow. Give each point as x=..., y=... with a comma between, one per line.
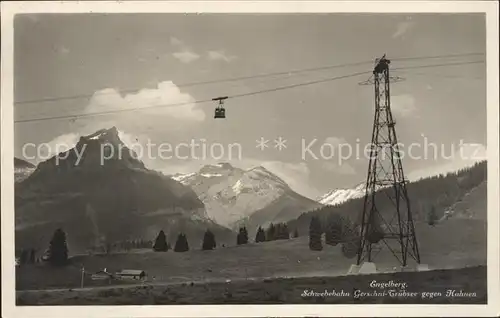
x=338, y=196
x=261, y=172
x=110, y=136
x=232, y=195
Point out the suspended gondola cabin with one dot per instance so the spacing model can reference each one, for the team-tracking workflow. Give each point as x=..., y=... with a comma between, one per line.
x=220, y=111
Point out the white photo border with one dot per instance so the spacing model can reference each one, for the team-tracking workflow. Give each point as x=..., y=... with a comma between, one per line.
x=9, y=9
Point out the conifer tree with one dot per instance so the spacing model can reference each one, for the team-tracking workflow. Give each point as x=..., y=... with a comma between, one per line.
x=181, y=245
x=58, y=248
x=333, y=231
x=32, y=256
x=260, y=236
x=160, y=243
x=374, y=232
x=315, y=233
x=23, y=258
x=245, y=235
x=351, y=239
x=271, y=233
x=295, y=233
x=242, y=237
x=239, y=238
x=284, y=233
x=208, y=241
x=350, y=249
x=432, y=216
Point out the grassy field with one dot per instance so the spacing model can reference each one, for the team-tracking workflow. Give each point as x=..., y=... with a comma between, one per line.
x=270, y=272
x=451, y=245
x=276, y=291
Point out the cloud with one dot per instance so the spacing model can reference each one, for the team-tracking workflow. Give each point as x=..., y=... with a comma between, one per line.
x=186, y=56
x=464, y=156
x=59, y=144
x=220, y=56
x=296, y=175
x=335, y=141
x=339, y=148
x=171, y=102
x=340, y=168
x=176, y=42
x=403, y=105
x=67, y=141
x=472, y=152
x=63, y=50
x=402, y=28
x=128, y=139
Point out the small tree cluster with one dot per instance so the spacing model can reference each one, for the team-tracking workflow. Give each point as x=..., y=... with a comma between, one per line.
x=127, y=245
x=271, y=232
x=277, y=231
x=181, y=245
x=334, y=229
x=315, y=233
x=260, y=236
x=374, y=232
x=242, y=237
x=350, y=248
x=140, y=243
x=161, y=244
x=282, y=232
x=58, y=249
x=208, y=241
x=295, y=233
x=351, y=239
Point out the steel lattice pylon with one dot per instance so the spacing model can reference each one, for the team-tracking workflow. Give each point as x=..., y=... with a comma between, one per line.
x=386, y=220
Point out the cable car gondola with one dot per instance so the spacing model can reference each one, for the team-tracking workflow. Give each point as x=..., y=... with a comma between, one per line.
x=220, y=111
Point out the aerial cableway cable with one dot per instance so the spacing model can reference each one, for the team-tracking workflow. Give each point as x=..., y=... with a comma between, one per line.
x=76, y=116
x=224, y=80
x=241, y=78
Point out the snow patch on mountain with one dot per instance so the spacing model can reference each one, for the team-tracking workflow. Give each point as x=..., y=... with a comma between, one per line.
x=95, y=137
x=237, y=187
x=211, y=175
x=20, y=174
x=22, y=169
x=182, y=178
x=338, y=196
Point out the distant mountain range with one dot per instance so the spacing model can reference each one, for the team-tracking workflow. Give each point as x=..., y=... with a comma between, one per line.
x=338, y=196
x=253, y=197
x=105, y=203
x=120, y=199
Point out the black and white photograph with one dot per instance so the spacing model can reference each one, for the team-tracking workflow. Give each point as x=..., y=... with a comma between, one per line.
x=193, y=157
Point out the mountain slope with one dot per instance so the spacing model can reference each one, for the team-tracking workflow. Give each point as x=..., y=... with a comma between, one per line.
x=254, y=197
x=22, y=169
x=463, y=192
x=472, y=205
x=104, y=201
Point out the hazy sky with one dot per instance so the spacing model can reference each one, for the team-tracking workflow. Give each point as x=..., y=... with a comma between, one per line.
x=151, y=56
